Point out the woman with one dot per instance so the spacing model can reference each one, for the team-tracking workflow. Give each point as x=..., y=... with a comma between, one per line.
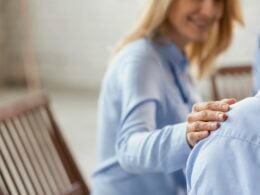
x=147, y=95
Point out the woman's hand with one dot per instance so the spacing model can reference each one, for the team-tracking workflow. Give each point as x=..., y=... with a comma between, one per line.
x=205, y=117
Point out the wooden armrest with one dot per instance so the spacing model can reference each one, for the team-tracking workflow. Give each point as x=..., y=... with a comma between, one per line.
x=74, y=189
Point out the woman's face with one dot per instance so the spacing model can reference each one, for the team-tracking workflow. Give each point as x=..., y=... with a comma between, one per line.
x=191, y=20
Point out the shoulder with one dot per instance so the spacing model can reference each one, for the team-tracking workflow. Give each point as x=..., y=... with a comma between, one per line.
x=138, y=54
x=137, y=65
x=243, y=121
x=242, y=125
x=139, y=48
x=138, y=60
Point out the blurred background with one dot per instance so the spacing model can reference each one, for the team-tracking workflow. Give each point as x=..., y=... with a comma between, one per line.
x=64, y=46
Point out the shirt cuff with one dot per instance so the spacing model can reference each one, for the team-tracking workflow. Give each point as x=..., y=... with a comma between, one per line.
x=180, y=149
x=182, y=128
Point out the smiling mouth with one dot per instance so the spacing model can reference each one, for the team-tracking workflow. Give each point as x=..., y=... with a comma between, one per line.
x=200, y=25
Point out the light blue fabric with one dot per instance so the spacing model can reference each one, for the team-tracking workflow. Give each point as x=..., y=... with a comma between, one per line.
x=256, y=67
x=142, y=135
x=228, y=161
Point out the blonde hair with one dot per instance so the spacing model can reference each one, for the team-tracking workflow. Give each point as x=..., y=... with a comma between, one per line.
x=153, y=23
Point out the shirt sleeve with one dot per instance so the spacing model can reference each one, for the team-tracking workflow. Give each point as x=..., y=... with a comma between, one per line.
x=141, y=146
x=224, y=165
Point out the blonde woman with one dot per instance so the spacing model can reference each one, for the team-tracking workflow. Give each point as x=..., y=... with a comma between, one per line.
x=147, y=95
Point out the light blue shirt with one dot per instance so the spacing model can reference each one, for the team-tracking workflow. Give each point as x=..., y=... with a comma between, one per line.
x=256, y=67
x=145, y=98
x=228, y=161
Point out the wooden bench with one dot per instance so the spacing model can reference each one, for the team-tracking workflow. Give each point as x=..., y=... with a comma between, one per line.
x=34, y=158
x=232, y=82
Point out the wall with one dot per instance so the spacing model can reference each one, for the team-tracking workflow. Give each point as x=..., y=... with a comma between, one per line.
x=13, y=41
x=2, y=38
x=73, y=38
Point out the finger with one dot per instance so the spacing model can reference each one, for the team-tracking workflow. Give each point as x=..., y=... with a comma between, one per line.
x=194, y=137
x=206, y=115
x=200, y=135
x=214, y=106
x=203, y=126
x=229, y=101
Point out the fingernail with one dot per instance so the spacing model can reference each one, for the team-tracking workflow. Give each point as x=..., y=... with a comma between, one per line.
x=225, y=107
x=220, y=115
x=225, y=116
x=214, y=125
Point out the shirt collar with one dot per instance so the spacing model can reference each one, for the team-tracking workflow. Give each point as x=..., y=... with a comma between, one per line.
x=173, y=54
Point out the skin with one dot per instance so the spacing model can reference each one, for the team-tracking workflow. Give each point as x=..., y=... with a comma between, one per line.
x=190, y=21
x=205, y=117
